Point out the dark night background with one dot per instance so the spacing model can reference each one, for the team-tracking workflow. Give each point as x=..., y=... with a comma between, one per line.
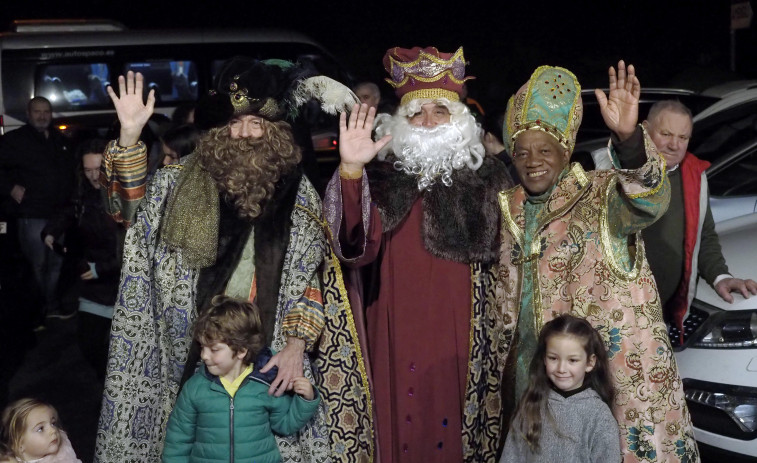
x=683, y=44
x=672, y=43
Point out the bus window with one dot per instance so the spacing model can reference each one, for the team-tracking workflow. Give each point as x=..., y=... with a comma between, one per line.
x=173, y=81
x=69, y=86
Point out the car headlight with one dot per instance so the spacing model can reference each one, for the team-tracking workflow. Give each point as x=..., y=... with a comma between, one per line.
x=727, y=330
x=742, y=409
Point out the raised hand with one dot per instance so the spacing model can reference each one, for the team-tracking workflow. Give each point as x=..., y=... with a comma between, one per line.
x=133, y=113
x=620, y=110
x=356, y=147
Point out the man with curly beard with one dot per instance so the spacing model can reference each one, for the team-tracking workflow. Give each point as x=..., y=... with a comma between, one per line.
x=424, y=218
x=237, y=217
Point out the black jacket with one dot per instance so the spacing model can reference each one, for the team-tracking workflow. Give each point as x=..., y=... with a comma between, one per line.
x=43, y=166
x=91, y=236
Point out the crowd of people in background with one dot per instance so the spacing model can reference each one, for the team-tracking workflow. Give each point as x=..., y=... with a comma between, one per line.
x=458, y=291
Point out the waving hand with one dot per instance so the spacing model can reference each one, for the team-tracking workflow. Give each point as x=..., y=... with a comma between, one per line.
x=620, y=110
x=356, y=147
x=133, y=113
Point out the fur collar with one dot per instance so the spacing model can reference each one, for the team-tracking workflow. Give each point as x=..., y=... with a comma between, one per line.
x=460, y=222
x=271, y=242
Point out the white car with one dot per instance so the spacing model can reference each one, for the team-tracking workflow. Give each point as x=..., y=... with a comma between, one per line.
x=732, y=180
x=725, y=134
x=718, y=360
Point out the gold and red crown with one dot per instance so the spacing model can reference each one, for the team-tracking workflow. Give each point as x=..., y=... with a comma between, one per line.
x=425, y=73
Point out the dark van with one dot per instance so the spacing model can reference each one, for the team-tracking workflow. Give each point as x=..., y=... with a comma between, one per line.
x=72, y=63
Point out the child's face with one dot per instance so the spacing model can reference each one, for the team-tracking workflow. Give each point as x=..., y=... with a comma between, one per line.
x=41, y=435
x=566, y=362
x=221, y=361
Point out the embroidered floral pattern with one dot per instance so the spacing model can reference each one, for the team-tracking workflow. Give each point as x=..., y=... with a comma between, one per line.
x=593, y=265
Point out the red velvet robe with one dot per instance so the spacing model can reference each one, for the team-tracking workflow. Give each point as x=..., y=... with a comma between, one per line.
x=418, y=333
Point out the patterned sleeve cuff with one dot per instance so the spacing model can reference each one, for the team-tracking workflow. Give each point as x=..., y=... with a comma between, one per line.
x=347, y=176
x=132, y=157
x=306, y=319
x=649, y=179
x=124, y=175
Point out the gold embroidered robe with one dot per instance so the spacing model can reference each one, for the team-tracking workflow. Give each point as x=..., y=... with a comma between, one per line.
x=585, y=256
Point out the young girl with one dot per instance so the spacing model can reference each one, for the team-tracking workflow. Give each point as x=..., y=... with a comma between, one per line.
x=30, y=433
x=564, y=414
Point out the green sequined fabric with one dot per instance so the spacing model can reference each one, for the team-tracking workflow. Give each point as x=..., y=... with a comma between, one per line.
x=192, y=215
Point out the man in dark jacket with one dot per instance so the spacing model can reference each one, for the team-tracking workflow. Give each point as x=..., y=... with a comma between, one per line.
x=683, y=244
x=37, y=171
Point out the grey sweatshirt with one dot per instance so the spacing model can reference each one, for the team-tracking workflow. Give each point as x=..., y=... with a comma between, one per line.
x=588, y=433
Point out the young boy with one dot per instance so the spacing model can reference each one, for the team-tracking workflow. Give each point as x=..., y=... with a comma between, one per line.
x=224, y=412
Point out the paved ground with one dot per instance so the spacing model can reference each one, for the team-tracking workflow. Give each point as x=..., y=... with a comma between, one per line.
x=55, y=371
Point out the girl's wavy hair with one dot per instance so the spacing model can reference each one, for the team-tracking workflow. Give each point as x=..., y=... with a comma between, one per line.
x=233, y=322
x=246, y=170
x=536, y=397
x=13, y=423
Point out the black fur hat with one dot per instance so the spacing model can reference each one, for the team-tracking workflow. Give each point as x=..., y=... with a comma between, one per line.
x=272, y=89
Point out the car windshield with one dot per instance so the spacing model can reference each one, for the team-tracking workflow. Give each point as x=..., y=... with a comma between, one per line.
x=724, y=132
x=736, y=175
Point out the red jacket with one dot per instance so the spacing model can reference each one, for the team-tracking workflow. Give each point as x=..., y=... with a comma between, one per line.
x=692, y=170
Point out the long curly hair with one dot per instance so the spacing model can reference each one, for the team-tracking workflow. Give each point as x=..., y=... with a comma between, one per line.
x=247, y=169
x=536, y=397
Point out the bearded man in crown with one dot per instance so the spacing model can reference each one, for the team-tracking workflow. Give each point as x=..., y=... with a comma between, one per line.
x=236, y=217
x=424, y=216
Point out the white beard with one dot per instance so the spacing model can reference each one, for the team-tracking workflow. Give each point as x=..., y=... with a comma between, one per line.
x=432, y=153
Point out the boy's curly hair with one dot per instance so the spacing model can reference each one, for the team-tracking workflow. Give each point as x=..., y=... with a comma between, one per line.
x=233, y=322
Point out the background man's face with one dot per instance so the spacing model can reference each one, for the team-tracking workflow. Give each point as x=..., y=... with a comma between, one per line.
x=367, y=96
x=169, y=156
x=91, y=162
x=670, y=131
x=40, y=115
x=246, y=126
x=430, y=115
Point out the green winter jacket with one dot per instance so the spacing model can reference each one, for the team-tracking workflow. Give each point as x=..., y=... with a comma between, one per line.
x=208, y=425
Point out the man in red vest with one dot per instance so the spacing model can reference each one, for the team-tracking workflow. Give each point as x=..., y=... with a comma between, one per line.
x=683, y=243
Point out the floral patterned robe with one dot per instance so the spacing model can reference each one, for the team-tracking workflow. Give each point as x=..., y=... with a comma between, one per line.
x=579, y=250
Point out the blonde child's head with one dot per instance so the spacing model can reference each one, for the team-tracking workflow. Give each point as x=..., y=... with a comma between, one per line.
x=30, y=430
